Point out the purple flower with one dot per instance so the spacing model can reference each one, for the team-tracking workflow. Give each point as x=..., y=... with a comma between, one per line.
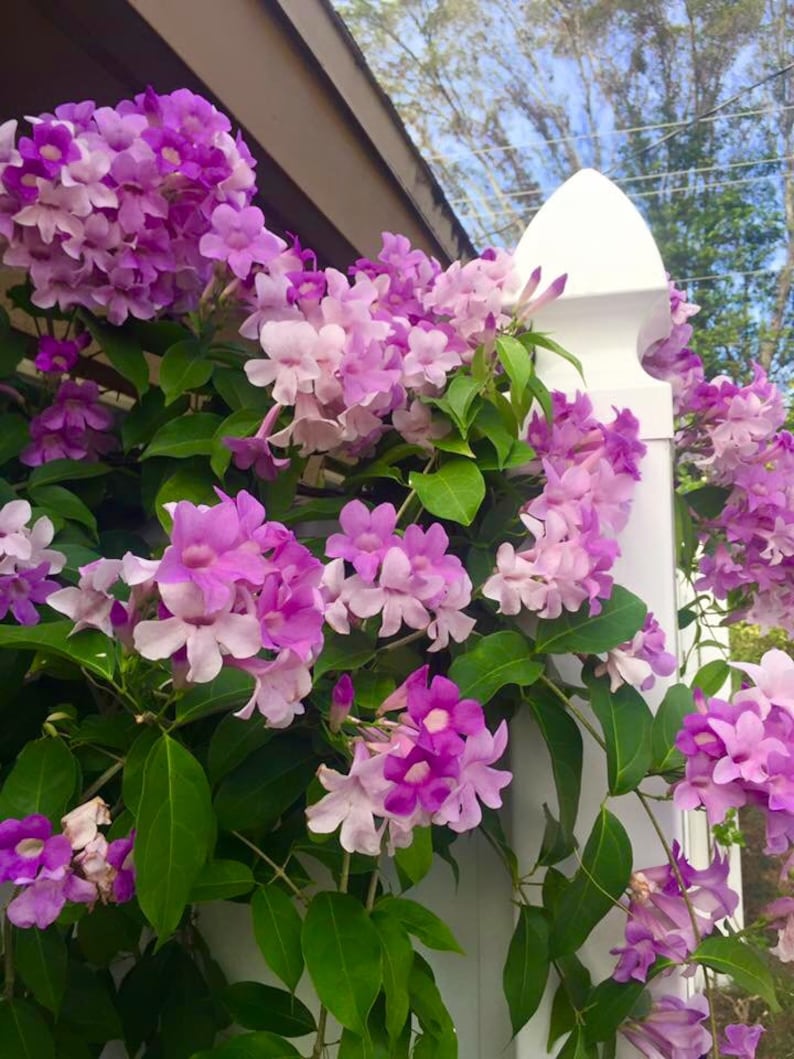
x=672, y=1030
x=29, y=850
x=40, y=904
x=239, y=238
x=741, y=1040
x=443, y=717
x=59, y=355
x=52, y=147
x=22, y=588
x=120, y=856
x=366, y=537
x=256, y=452
x=76, y=407
x=341, y=700
x=353, y=800
x=478, y=782
x=421, y=778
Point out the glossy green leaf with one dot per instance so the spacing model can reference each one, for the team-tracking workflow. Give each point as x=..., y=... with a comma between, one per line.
x=174, y=833
x=459, y=399
x=144, y=420
x=709, y=501
x=40, y=959
x=54, y=498
x=90, y=649
x=439, y=1040
x=398, y=960
x=187, y=483
x=542, y=395
x=494, y=661
x=134, y=764
x=232, y=687
x=620, y=617
x=277, y=930
x=517, y=362
x=345, y=653
x=626, y=723
x=744, y=964
x=415, y=861
x=23, y=1032
x=261, y=1007
x=232, y=741
x=686, y=536
x=527, y=967
x=15, y=436
x=454, y=492
x=712, y=677
x=182, y=369
x=564, y=741
x=43, y=780
x=57, y=471
x=190, y=435
x=537, y=339
x=667, y=723
x=235, y=389
x=108, y=931
x=252, y=1046
x=255, y=794
x=343, y=957
x=221, y=879
x=598, y=883
x=123, y=350
x=88, y=1005
x=419, y=921
x=610, y=1004
x=576, y=1047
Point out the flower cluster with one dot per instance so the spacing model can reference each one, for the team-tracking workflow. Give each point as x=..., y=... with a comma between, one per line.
x=589, y=470
x=353, y=356
x=124, y=209
x=77, y=865
x=26, y=562
x=670, y=908
x=640, y=660
x=673, y=1029
x=409, y=579
x=74, y=427
x=229, y=586
x=730, y=434
x=738, y=752
x=431, y=766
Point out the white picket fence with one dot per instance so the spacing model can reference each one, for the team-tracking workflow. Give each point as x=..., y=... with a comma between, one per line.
x=615, y=304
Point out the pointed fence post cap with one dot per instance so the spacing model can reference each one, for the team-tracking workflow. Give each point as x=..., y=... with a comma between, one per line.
x=616, y=300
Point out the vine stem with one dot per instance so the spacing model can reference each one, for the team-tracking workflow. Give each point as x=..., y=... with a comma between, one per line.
x=98, y=784
x=580, y=717
x=278, y=870
x=373, y=890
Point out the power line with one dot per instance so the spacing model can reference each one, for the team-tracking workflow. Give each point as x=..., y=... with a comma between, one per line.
x=524, y=193
x=654, y=192
x=628, y=131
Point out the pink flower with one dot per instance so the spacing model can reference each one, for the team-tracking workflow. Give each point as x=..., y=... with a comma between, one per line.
x=207, y=636
x=239, y=238
x=366, y=537
x=279, y=689
x=90, y=604
x=353, y=801
x=478, y=782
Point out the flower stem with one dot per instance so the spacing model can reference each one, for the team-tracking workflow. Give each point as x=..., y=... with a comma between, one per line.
x=569, y=705
x=373, y=890
x=344, y=878
x=98, y=784
x=319, y=1043
x=8, y=957
x=278, y=871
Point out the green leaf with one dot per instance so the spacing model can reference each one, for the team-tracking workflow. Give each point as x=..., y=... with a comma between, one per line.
x=88, y=1005
x=277, y=930
x=134, y=764
x=709, y=501
x=343, y=957
x=182, y=369
x=626, y=723
x=536, y=338
x=43, y=780
x=122, y=349
x=57, y=471
x=221, y=879
x=40, y=958
x=685, y=534
x=527, y=967
x=257, y=792
x=148, y=415
x=252, y=1046
x=454, y=492
x=398, y=960
x=459, y=400
x=14, y=345
x=59, y=500
x=517, y=362
x=232, y=741
x=608, y=1005
x=667, y=723
x=190, y=435
x=440, y=1040
x=455, y=444
x=106, y=932
x=416, y=860
x=344, y=653
x=15, y=436
x=419, y=921
x=187, y=483
x=240, y=424
x=564, y=740
x=711, y=677
x=745, y=965
x=90, y=649
x=495, y=660
x=620, y=617
x=231, y=687
x=261, y=1007
x=576, y=1047
x=235, y=389
x=541, y=394
x=23, y=1033
x=598, y=884
x=174, y=833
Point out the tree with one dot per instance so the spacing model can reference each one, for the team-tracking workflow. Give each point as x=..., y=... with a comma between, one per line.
x=509, y=100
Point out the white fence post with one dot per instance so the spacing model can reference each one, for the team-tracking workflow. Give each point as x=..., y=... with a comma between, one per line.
x=615, y=304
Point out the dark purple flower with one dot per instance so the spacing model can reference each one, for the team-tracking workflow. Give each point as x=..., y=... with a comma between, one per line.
x=120, y=856
x=366, y=537
x=443, y=717
x=52, y=147
x=421, y=778
x=59, y=355
x=20, y=589
x=29, y=850
x=341, y=700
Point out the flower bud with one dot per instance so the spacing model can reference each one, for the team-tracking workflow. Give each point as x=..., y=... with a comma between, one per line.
x=341, y=701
